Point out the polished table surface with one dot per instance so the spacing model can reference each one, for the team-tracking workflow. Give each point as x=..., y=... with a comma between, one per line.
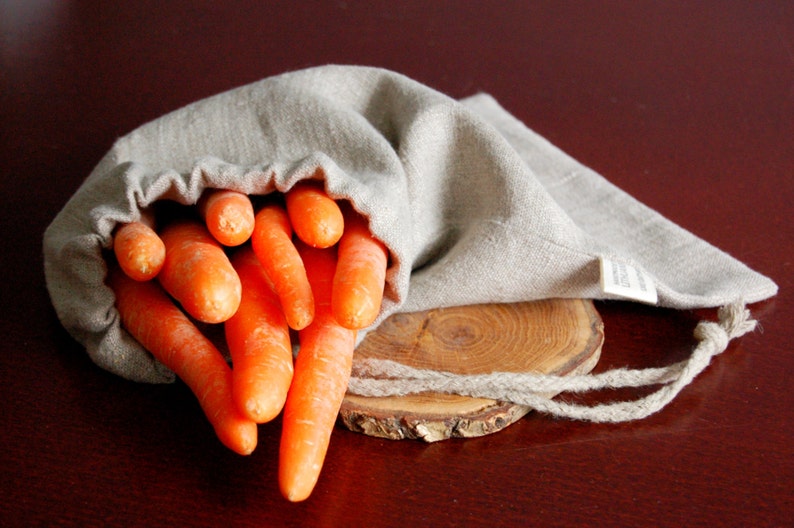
x=688, y=106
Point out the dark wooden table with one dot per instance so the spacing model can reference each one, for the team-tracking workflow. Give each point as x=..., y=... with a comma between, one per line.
x=690, y=108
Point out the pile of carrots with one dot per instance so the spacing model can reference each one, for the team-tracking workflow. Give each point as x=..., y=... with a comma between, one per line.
x=300, y=264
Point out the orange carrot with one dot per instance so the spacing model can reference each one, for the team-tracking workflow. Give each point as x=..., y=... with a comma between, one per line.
x=322, y=371
x=259, y=343
x=229, y=215
x=152, y=318
x=198, y=274
x=316, y=218
x=360, y=275
x=272, y=243
x=139, y=250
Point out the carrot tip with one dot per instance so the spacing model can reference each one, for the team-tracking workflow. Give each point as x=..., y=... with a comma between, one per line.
x=298, y=493
x=300, y=321
x=259, y=412
x=245, y=443
x=293, y=497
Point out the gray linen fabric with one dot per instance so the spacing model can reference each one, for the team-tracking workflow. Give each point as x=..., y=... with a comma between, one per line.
x=474, y=206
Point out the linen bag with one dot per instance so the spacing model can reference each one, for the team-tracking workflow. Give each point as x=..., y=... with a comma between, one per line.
x=473, y=206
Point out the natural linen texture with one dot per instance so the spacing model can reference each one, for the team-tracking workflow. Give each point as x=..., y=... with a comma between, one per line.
x=473, y=206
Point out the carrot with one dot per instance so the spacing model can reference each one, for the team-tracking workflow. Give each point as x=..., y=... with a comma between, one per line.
x=153, y=319
x=139, y=250
x=316, y=217
x=198, y=274
x=229, y=215
x=322, y=371
x=272, y=243
x=259, y=343
x=360, y=275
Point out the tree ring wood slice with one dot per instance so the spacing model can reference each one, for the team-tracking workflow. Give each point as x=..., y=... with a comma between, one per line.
x=553, y=336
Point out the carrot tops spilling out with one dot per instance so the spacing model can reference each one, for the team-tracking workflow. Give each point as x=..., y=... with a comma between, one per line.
x=299, y=265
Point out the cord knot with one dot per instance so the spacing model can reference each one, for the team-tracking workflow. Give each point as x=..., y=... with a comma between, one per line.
x=714, y=333
x=734, y=320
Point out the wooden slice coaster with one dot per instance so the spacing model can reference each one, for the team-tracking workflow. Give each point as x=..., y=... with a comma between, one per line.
x=556, y=336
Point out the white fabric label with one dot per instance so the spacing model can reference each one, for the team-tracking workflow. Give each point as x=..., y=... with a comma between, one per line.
x=624, y=280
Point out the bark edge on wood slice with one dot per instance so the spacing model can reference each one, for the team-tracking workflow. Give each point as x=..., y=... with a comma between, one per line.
x=553, y=336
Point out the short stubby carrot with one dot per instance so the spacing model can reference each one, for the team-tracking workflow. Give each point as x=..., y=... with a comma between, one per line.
x=139, y=250
x=198, y=274
x=259, y=343
x=229, y=215
x=315, y=217
x=152, y=318
x=360, y=275
x=272, y=243
x=322, y=372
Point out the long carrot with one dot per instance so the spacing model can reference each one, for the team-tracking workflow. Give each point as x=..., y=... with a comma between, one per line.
x=360, y=275
x=272, y=243
x=229, y=215
x=322, y=371
x=259, y=343
x=316, y=217
x=160, y=326
x=198, y=274
x=139, y=250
